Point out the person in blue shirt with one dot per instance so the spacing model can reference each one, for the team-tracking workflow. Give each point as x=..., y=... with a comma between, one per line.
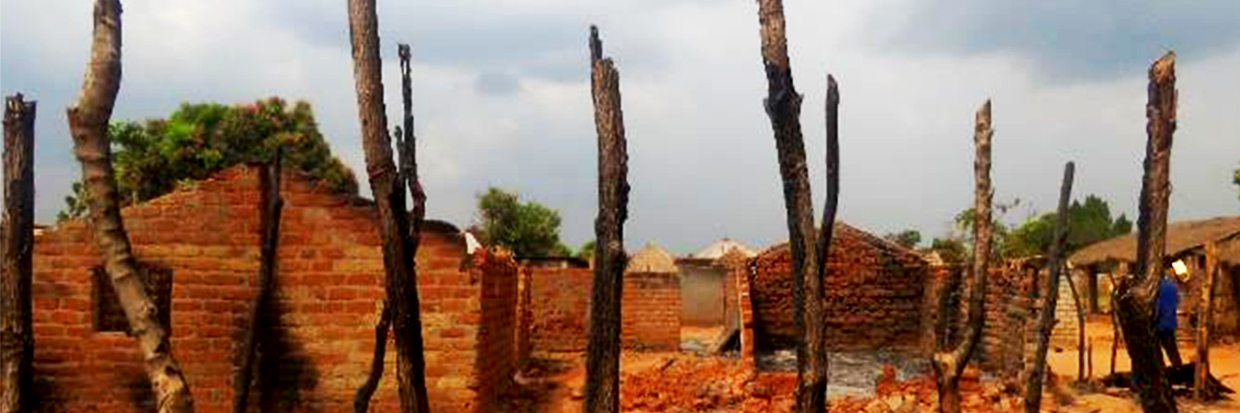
x=1164, y=318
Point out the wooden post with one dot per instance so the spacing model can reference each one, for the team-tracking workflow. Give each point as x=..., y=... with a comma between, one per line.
x=949, y=365
x=16, y=251
x=269, y=206
x=88, y=124
x=602, y=392
x=1046, y=320
x=783, y=107
x=1091, y=287
x=1135, y=294
x=1122, y=270
x=399, y=250
x=1204, y=320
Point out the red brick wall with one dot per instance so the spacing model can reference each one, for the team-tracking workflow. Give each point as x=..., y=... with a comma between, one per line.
x=650, y=311
x=874, y=295
x=1011, y=316
x=560, y=310
x=329, y=281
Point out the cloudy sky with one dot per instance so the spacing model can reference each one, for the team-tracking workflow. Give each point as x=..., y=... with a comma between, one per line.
x=502, y=98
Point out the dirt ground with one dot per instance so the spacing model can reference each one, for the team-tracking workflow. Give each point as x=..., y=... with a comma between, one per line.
x=688, y=382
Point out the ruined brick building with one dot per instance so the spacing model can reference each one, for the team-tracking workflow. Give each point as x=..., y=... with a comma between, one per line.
x=200, y=249
x=875, y=296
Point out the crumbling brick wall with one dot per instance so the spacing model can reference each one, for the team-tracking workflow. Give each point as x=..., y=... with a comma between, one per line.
x=873, y=295
x=650, y=311
x=329, y=281
x=1010, y=315
x=560, y=310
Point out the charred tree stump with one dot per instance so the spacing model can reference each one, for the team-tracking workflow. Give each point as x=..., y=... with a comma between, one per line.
x=1046, y=320
x=602, y=392
x=17, y=252
x=949, y=365
x=88, y=123
x=398, y=247
x=361, y=399
x=783, y=107
x=1135, y=294
x=270, y=205
x=1205, y=320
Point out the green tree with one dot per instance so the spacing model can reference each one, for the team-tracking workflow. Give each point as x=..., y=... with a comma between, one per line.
x=587, y=251
x=1236, y=180
x=529, y=229
x=951, y=250
x=1088, y=222
x=153, y=157
x=908, y=238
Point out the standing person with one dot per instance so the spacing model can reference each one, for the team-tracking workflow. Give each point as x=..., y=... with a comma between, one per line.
x=1164, y=317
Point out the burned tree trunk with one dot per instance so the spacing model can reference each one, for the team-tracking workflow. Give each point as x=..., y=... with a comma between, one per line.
x=16, y=251
x=398, y=248
x=406, y=148
x=88, y=123
x=1046, y=320
x=406, y=153
x=361, y=399
x=1134, y=294
x=1204, y=319
x=270, y=206
x=816, y=331
x=949, y=365
x=783, y=106
x=602, y=392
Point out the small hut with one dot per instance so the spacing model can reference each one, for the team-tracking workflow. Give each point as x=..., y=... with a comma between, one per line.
x=1186, y=242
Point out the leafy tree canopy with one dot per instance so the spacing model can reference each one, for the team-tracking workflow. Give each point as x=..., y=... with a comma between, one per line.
x=153, y=157
x=1236, y=180
x=1088, y=222
x=908, y=238
x=529, y=229
x=586, y=252
x=951, y=250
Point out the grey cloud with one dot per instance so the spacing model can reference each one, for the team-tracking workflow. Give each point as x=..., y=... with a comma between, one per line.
x=497, y=83
x=1067, y=39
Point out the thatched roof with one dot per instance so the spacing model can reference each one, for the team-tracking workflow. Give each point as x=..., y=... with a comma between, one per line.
x=651, y=258
x=721, y=247
x=1182, y=237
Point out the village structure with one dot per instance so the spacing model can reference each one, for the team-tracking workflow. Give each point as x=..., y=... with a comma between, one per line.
x=486, y=314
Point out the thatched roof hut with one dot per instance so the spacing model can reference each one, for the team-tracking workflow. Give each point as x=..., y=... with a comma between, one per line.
x=1182, y=238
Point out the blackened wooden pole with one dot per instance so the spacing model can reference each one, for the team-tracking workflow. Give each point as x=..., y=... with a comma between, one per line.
x=88, y=124
x=16, y=251
x=949, y=365
x=1135, y=294
x=783, y=107
x=398, y=254
x=817, y=336
x=602, y=392
x=269, y=206
x=361, y=399
x=406, y=148
x=1046, y=319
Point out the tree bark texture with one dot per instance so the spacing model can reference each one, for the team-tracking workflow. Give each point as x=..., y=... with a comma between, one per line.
x=817, y=336
x=269, y=207
x=783, y=106
x=361, y=399
x=385, y=184
x=602, y=392
x=1046, y=319
x=406, y=148
x=949, y=365
x=1205, y=319
x=88, y=124
x=17, y=252
x=1135, y=294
